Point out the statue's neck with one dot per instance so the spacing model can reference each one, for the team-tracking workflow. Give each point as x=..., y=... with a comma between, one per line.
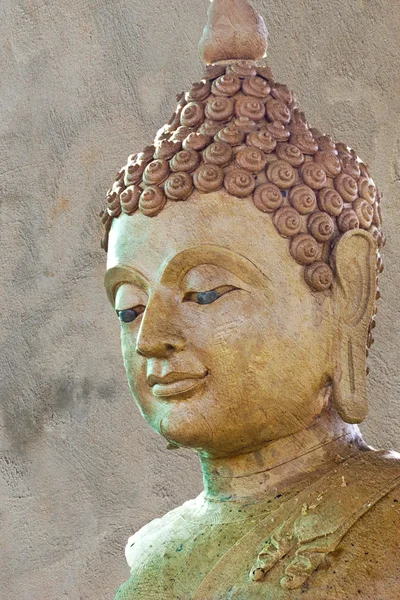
x=282, y=463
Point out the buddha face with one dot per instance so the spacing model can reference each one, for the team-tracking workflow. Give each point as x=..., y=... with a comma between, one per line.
x=224, y=345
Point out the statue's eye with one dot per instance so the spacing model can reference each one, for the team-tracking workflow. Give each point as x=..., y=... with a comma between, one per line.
x=130, y=314
x=127, y=316
x=209, y=296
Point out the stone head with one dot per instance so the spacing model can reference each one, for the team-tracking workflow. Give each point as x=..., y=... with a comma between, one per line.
x=243, y=254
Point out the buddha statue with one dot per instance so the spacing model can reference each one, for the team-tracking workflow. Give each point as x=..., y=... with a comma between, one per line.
x=244, y=248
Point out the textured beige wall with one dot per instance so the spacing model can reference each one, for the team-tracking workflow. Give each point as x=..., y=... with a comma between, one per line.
x=83, y=85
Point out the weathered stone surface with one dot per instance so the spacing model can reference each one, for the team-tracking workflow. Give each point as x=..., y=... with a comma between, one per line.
x=82, y=84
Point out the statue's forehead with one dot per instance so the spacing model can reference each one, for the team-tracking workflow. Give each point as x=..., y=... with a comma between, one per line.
x=215, y=219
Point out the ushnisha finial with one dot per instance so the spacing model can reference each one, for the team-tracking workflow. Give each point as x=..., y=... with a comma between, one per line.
x=234, y=31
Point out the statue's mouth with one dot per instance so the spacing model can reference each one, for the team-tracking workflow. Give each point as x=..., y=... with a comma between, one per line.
x=178, y=385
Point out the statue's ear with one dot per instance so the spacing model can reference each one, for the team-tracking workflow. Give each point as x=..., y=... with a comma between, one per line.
x=354, y=295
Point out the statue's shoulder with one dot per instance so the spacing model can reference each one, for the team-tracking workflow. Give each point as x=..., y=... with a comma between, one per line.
x=368, y=557
x=146, y=542
x=375, y=537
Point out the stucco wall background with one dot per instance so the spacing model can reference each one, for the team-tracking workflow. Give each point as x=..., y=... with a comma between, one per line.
x=84, y=83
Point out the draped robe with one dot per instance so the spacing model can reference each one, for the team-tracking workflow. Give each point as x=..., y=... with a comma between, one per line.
x=333, y=538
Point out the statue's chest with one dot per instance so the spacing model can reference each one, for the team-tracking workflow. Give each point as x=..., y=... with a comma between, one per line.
x=187, y=566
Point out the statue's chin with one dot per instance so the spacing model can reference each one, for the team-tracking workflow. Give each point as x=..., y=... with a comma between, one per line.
x=197, y=434
x=194, y=433
x=180, y=421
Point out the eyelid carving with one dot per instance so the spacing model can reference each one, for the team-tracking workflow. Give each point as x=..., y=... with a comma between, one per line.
x=208, y=296
x=131, y=291
x=128, y=315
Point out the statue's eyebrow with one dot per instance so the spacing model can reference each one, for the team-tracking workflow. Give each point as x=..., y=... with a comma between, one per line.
x=183, y=262
x=123, y=274
x=211, y=254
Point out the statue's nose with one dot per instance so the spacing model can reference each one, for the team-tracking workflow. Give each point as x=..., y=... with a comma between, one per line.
x=159, y=346
x=160, y=333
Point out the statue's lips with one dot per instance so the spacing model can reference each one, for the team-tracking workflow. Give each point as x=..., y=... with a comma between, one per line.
x=177, y=388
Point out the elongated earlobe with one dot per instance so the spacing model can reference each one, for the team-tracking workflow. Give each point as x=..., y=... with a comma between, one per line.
x=349, y=383
x=354, y=289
